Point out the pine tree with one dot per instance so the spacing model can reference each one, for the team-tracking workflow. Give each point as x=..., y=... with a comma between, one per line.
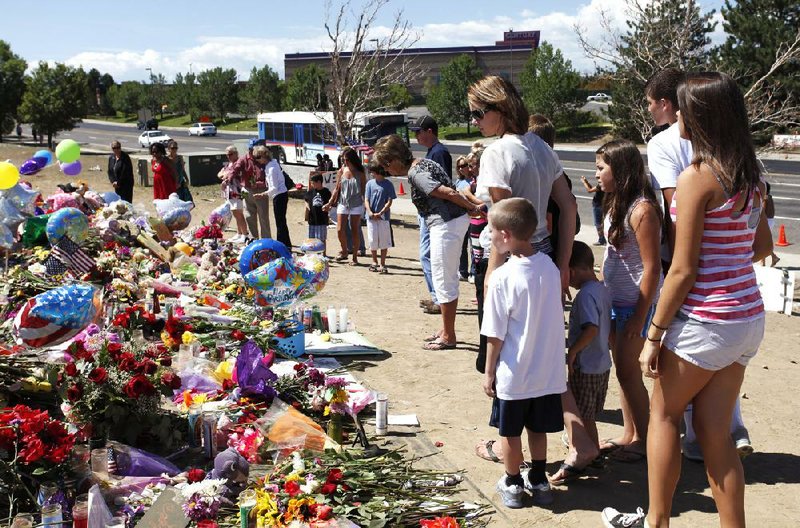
x=758, y=32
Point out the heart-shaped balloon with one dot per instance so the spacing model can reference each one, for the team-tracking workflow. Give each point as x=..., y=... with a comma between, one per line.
x=29, y=167
x=278, y=283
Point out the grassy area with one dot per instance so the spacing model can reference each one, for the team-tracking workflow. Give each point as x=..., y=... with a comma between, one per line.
x=460, y=133
x=249, y=124
x=119, y=118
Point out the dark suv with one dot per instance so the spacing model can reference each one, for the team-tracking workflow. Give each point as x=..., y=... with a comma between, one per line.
x=150, y=124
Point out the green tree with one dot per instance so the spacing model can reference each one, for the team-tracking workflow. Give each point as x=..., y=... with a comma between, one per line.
x=12, y=83
x=127, y=97
x=447, y=101
x=660, y=34
x=263, y=91
x=54, y=99
x=762, y=51
x=398, y=97
x=305, y=90
x=551, y=86
x=183, y=95
x=218, y=91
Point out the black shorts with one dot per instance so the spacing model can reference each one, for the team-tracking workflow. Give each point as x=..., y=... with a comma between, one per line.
x=538, y=415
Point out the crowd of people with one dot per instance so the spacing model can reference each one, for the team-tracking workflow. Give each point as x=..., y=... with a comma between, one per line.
x=676, y=300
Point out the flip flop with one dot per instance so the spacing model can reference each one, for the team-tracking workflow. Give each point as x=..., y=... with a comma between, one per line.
x=340, y=258
x=374, y=267
x=484, y=450
x=626, y=455
x=609, y=446
x=438, y=345
x=384, y=270
x=433, y=337
x=570, y=473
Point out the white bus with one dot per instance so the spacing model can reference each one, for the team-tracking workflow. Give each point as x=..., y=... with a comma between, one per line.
x=300, y=136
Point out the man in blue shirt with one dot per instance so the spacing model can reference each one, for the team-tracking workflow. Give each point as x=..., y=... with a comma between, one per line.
x=427, y=131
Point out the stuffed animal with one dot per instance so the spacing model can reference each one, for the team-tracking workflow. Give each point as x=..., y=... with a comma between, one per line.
x=233, y=467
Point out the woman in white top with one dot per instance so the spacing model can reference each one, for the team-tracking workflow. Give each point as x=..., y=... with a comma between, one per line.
x=276, y=189
x=521, y=164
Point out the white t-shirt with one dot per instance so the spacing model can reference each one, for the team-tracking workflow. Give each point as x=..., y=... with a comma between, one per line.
x=667, y=155
x=524, y=165
x=523, y=308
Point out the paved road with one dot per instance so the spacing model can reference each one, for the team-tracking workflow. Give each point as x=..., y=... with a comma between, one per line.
x=784, y=174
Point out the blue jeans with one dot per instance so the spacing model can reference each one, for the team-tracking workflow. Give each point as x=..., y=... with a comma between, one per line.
x=425, y=255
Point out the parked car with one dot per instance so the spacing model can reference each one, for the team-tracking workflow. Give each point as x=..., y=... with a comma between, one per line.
x=203, y=129
x=599, y=97
x=153, y=136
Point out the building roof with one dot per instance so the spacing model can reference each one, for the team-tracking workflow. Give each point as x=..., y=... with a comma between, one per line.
x=417, y=51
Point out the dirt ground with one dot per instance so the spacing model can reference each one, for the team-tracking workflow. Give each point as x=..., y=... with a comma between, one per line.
x=443, y=389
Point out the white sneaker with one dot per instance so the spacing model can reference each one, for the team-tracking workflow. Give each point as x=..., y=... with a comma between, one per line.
x=512, y=495
x=742, y=440
x=541, y=493
x=615, y=519
x=471, y=279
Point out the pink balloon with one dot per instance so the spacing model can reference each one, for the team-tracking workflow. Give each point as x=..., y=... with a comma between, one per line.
x=71, y=169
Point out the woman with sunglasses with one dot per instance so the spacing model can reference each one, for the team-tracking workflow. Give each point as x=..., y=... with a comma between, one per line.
x=521, y=164
x=120, y=172
x=276, y=190
x=180, y=171
x=163, y=172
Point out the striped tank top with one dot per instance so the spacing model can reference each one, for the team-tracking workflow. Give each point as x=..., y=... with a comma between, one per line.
x=623, y=267
x=726, y=290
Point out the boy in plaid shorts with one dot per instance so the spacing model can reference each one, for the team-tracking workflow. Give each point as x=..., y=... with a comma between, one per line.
x=588, y=357
x=316, y=215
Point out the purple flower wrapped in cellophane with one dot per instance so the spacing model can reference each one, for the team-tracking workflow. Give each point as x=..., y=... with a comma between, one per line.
x=253, y=374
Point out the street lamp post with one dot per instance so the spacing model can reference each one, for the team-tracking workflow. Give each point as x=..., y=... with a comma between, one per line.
x=152, y=92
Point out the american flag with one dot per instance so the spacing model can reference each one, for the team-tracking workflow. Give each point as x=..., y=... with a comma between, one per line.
x=54, y=266
x=73, y=256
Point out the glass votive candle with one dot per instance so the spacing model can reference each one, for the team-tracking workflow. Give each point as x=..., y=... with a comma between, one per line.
x=80, y=514
x=100, y=462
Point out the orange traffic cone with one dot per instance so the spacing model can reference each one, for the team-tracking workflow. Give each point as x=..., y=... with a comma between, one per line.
x=401, y=192
x=781, y=237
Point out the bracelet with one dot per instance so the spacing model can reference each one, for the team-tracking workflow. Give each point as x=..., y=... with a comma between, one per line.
x=652, y=323
x=654, y=340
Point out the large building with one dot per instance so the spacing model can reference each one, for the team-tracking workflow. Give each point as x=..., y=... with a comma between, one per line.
x=506, y=58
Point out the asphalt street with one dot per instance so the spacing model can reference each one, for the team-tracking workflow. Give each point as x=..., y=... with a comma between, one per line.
x=783, y=174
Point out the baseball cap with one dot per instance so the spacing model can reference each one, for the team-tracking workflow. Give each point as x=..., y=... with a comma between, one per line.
x=424, y=123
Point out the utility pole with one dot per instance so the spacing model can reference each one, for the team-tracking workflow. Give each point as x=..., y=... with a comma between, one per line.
x=152, y=93
x=511, y=52
x=377, y=67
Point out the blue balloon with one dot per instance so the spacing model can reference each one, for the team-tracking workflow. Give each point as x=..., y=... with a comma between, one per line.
x=29, y=168
x=68, y=222
x=71, y=306
x=46, y=154
x=260, y=252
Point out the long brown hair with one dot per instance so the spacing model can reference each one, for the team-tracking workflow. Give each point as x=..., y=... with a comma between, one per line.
x=496, y=93
x=630, y=183
x=715, y=120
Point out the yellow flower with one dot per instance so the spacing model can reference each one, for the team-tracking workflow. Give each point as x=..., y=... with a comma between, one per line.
x=294, y=508
x=293, y=476
x=187, y=338
x=325, y=337
x=168, y=342
x=230, y=289
x=265, y=324
x=266, y=508
x=224, y=370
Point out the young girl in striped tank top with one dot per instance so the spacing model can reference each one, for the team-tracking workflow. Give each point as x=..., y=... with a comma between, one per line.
x=710, y=318
x=632, y=273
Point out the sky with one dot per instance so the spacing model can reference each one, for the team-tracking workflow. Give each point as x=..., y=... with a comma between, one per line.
x=125, y=38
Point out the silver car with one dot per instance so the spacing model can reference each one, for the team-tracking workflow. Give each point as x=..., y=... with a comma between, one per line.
x=153, y=136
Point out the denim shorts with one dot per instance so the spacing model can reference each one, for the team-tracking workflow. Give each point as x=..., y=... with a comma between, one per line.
x=621, y=314
x=713, y=346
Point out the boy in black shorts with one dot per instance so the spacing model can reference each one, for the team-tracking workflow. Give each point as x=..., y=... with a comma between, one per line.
x=524, y=326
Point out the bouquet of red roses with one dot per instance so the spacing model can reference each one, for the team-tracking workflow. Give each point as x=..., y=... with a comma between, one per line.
x=113, y=386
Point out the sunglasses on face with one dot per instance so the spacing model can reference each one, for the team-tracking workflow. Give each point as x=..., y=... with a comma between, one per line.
x=479, y=113
x=116, y=148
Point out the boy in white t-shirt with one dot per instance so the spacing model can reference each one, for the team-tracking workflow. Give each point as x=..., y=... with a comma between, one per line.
x=524, y=326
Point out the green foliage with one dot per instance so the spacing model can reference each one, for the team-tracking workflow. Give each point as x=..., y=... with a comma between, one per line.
x=183, y=95
x=126, y=97
x=398, y=97
x=447, y=101
x=756, y=31
x=54, y=98
x=218, y=91
x=263, y=93
x=12, y=83
x=97, y=87
x=305, y=90
x=663, y=34
x=551, y=86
